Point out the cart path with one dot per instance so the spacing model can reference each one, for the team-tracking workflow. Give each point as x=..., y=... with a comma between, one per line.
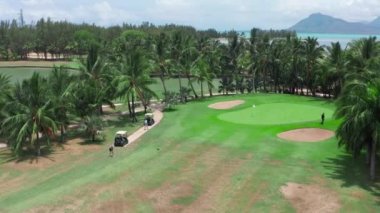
x=158, y=115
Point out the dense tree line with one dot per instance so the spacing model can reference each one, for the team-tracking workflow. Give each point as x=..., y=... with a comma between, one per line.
x=62, y=39
x=120, y=62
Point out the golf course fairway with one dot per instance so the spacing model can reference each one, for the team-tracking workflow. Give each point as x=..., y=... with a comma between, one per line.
x=193, y=161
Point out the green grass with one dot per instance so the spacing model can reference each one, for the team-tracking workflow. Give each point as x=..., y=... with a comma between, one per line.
x=26, y=69
x=277, y=113
x=193, y=155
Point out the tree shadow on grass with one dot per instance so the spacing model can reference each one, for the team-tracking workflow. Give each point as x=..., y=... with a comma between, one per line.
x=352, y=172
x=29, y=155
x=170, y=110
x=124, y=120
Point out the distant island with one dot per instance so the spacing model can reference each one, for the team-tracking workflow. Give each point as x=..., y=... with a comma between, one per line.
x=320, y=23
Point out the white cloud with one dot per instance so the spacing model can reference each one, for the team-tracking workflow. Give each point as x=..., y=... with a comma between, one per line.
x=7, y=10
x=37, y=2
x=221, y=14
x=103, y=13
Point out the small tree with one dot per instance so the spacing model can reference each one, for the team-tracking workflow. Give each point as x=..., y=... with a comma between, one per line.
x=184, y=93
x=92, y=125
x=170, y=99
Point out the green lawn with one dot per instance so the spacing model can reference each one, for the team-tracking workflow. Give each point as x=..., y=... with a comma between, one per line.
x=18, y=71
x=277, y=113
x=195, y=161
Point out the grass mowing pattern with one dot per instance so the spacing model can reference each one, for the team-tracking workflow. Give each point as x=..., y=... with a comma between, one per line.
x=277, y=113
x=233, y=167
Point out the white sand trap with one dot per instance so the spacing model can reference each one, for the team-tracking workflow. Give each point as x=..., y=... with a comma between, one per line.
x=3, y=145
x=306, y=135
x=311, y=198
x=226, y=104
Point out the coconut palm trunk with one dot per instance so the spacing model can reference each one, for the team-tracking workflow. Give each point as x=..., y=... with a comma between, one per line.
x=62, y=127
x=373, y=161
x=202, y=89
x=209, y=89
x=191, y=86
x=162, y=78
x=38, y=146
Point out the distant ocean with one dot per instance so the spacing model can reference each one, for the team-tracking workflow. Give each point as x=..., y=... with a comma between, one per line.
x=328, y=38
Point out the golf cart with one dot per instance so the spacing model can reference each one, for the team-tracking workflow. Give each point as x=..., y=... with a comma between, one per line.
x=149, y=119
x=121, y=138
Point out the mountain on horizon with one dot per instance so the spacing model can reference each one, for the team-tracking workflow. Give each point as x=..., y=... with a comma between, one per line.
x=375, y=23
x=320, y=23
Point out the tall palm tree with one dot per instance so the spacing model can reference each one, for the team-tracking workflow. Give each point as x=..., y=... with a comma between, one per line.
x=313, y=52
x=363, y=55
x=5, y=90
x=162, y=59
x=335, y=60
x=189, y=58
x=359, y=108
x=297, y=64
x=97, y=72
x=60, y=83
x=31, y=114
x=212, y=57
x=235, y=48
x=177, y=46
x=133, y=79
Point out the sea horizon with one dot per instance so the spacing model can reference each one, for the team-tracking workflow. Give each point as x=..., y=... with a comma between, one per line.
x=327, y=38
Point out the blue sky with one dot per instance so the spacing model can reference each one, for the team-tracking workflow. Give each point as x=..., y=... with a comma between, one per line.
x=202, y=14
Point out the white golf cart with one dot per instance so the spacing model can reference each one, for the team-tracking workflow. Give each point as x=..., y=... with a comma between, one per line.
x=121, y=138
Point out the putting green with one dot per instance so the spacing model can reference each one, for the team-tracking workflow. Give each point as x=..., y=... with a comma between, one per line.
x=278, y=113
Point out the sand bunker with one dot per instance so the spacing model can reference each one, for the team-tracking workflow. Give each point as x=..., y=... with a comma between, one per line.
x=3, y=145
x=306, y=135
x=311, y=198
x=226, y=104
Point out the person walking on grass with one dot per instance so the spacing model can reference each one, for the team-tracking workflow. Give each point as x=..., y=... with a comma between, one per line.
x=145, y=124
x=323, y=118
x=111, y=150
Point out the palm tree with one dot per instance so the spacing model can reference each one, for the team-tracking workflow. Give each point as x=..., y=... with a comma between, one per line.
x=162, y=59
x=60, y=88
x=97, y=72
x=31, y=113
x=264, y=60
x=202, y=74
x=335, y=60
x=133, y=79
x=235, y=48
x=297, y=64
x=92, y=126
x=188, y=61
x=359, y=108
x=252, y=62
x=212, y=57
x=176, y=50
x=312, y=53
x=362, y=56
x=5, y=91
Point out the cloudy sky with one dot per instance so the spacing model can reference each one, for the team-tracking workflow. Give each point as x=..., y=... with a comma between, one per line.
x=202, y=14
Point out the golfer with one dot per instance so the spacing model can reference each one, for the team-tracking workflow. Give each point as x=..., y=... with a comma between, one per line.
x=111, y=150
x=145, y=124
x=322, y=118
